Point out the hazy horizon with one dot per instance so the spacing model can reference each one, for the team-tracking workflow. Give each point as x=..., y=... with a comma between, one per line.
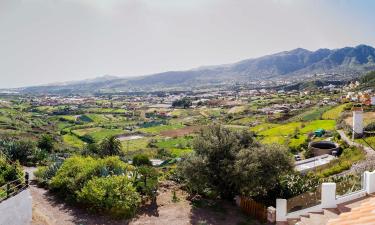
x=45, y=42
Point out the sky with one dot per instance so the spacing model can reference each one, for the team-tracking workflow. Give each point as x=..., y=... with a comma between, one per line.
x=47, y=41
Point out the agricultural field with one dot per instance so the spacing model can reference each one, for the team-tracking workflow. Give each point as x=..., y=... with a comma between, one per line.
x=97, y=133
x=177, y=146
x=292, y=134
x=315, y=113
x=334, y=113
x=73, y=141
x=160, y=128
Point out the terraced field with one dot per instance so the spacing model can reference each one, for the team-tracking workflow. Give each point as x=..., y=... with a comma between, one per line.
x=334, y=113
x=313, y=114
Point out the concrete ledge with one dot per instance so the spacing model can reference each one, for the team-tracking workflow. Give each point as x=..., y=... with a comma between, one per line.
x=17, y=210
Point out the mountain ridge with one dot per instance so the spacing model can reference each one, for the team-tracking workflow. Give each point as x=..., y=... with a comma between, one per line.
x=298, y=63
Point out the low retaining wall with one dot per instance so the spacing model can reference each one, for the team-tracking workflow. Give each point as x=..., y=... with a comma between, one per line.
x=17, y=210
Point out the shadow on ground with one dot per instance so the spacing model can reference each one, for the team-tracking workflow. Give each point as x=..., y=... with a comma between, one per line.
x=206, y=212
x=58, y=211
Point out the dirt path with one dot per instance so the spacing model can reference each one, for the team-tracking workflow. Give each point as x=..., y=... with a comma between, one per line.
x=369, y=151
x=49, y=210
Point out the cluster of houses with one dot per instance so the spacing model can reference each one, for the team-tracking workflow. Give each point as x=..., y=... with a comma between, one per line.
x=365, y=97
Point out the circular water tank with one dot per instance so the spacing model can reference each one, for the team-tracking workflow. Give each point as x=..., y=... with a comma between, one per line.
x=323, y=147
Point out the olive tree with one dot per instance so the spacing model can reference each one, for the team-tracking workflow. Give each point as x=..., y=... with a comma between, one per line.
x=230, y=162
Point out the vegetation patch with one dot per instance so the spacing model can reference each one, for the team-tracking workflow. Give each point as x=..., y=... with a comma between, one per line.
x=334, y=113
x=159, y=129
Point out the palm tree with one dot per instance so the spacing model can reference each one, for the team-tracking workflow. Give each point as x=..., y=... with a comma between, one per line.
x=110, y=146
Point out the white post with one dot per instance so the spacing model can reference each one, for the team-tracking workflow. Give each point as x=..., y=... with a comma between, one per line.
x=281, y=210
x=373, y=100
x=329, y=195
x=369, y=182
x=238, y=200
x=357, y=122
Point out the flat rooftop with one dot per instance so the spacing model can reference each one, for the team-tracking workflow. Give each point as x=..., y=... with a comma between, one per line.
x=312, y=163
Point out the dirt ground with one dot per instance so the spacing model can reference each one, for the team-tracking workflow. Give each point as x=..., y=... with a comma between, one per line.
x=180, y=132
x=48, y=210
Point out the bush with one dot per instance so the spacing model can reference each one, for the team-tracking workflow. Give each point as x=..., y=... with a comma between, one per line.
x=46, y=143
x=75, y=172
x=164, y=153
x=44, y=174
x=146, y=180
x=114, y=195
x=141, y=160
x=294, y=184
x=9, y=172
x=24, y=151
x=370, y=127
x=344, y=162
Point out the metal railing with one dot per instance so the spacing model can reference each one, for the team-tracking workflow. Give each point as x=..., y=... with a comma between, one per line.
x=305, y=200
x=364, y=140
x=13, y=187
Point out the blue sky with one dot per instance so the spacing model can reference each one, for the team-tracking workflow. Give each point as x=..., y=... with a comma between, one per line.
x=46, y=41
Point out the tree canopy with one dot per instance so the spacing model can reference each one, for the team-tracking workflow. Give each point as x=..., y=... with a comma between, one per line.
x=182, y=103
x=227, y=162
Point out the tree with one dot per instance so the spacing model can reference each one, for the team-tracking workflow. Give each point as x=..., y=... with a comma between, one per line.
x=46, y=142
x=182, y=103
x=146, y=180
x=230, y=162
x=256, y=170
x=110, y=146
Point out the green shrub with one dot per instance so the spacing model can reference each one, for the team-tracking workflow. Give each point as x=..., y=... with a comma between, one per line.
x=23, y=150
x=146, y=180
x=46, y=142
x=141, y=160
x=114, y=195
x=9, y=172
x=344, y=162
x=76, y=171
x=44, y=174
x=370, y=127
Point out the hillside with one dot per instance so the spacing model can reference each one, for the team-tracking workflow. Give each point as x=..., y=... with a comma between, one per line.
x=284, y=65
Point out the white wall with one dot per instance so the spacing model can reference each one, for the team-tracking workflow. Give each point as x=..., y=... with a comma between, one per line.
x=358, y=121
x=328, y=199
x=17, y=210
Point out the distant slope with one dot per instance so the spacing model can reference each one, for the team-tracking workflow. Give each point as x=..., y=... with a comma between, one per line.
x=296, y=63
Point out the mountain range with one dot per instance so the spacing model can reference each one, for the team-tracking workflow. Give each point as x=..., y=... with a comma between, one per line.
x=286, y=65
